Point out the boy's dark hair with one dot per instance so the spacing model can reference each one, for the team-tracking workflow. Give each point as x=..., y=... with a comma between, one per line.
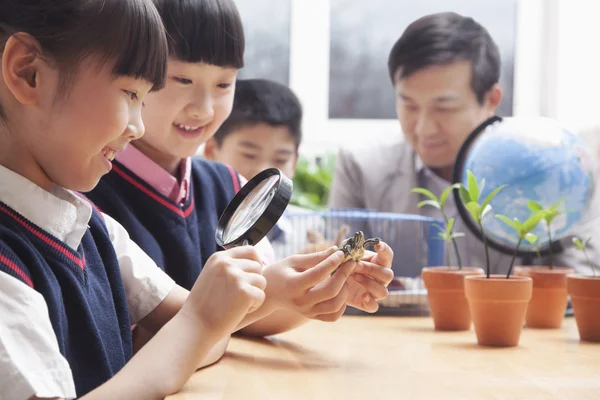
x=443, y=38
x=70, y=31
x=208, y=31
x=259, y=101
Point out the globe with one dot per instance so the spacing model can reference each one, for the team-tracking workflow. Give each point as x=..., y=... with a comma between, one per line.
x=538, y=159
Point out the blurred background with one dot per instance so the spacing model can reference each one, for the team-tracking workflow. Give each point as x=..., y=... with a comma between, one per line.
x=333, y=54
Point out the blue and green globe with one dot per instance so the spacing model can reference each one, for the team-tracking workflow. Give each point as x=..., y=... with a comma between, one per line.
x=539, y=160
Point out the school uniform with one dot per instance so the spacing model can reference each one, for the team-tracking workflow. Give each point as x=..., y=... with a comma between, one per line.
x=172, y=219
x=72, y=284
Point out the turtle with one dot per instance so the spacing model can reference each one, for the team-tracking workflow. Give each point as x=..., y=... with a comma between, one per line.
x=354, y=246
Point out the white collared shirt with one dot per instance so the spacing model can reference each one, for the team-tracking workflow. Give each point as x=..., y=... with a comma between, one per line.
x=30, y=361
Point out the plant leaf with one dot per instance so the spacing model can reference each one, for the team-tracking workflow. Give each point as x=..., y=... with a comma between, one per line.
x=441, y=228
x=486, y=210
x=517, y=225
x=549, y=215
x=532, y=222
x=450, y=225
x=457, y=234
x=474, y=209
x=580, y=244
x=473, y=188
x=505, y=220
x=557, y=204
x=465, y=197
x=446, y=193
x=490, y=196
x=431, y=203
x=426, y=193
x=530, y=237
x=534, y=206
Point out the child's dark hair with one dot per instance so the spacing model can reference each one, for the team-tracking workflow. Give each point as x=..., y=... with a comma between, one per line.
x=263, y=101
x=208, y=31
x=439, y=39
x=128, y=33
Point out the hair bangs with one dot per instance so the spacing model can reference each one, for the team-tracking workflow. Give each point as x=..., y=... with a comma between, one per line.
x=208, y=31
x=137, y=43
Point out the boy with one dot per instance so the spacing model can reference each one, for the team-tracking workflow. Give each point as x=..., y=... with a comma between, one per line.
x=264, y=130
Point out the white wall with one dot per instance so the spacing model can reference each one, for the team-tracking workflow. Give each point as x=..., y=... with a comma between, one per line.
x=530, y=50
x=576, y=100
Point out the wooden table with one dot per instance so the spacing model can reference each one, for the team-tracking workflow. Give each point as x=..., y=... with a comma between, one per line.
x=400, y=358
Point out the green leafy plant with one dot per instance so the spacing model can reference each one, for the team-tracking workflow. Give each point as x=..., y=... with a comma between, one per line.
x=446, y=233
x=581, y=245
x=469, y=196
x=450, y=237
x=312, y=181
x=549, y=214
x=523, y=231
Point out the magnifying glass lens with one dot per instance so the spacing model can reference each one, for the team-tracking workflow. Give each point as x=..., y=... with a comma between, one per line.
x=251, y=209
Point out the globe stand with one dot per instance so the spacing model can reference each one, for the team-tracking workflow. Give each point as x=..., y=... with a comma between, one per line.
x=526, y=255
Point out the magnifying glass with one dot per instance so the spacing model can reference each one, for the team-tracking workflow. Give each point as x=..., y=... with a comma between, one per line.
x=539, y=160
x=254, y=210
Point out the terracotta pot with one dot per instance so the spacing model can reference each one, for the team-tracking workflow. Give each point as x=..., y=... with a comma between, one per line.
x=446, y=295
x=498, y=306
x=585, y=298
x=549, y=297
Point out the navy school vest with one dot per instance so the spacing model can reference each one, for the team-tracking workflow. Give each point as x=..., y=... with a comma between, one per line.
x=178, y=237
x=83, y=290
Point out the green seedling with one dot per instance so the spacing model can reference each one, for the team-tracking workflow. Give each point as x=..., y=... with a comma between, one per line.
x=581, y=245
x=446, y=233
x=450, y=237
x=469, y=196
x=523, y=231
x=549, y=214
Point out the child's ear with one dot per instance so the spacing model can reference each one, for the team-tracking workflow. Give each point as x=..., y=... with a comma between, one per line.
x=210, y=148
x=493, y=98
x=21, y=62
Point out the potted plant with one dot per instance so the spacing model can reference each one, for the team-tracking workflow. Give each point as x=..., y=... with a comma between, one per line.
x=548, y=303
x=497, y=303
x=445, y=284
x=585, y=297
